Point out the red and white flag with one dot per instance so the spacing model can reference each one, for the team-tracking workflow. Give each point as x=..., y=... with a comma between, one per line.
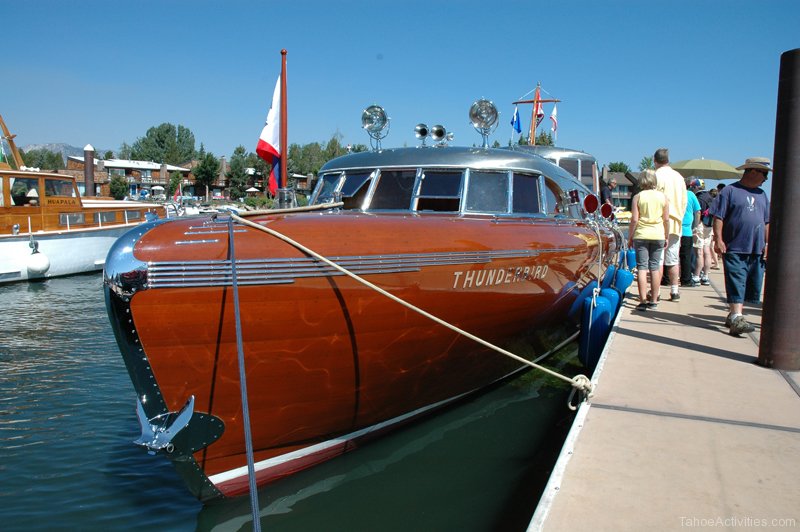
x=269, y=143
x=178, y=192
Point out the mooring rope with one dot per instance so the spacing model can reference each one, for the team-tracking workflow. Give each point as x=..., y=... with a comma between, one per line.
x=248, y=438
x=580, y=382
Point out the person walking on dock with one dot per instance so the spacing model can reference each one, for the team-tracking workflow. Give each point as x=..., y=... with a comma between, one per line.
x=647, y=235
x=691, y=219
x=741, y=233
x=671, y=183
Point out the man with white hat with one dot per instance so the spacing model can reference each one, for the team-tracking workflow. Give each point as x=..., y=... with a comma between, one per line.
x=741, y=233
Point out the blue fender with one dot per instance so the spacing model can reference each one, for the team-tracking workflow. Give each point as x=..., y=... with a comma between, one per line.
x=595, y=327
x=630, y=258
x=623, y=281
x=576, y=309
x=608, y=278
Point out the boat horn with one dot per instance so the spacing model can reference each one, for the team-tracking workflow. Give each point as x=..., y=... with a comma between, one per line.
x=421, y=132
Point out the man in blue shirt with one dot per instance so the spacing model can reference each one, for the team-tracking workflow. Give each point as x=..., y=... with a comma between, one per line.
x=741, y=233
x=691, y=219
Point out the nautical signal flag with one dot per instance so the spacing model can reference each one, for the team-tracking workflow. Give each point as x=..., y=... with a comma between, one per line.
x=554, y=119
x=515, y=121
x=269, y=143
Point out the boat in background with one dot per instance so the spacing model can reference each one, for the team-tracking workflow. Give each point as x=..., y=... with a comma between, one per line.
x=48, y=230
x=496, y=243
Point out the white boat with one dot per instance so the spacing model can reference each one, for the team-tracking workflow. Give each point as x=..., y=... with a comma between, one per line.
x=48, y=230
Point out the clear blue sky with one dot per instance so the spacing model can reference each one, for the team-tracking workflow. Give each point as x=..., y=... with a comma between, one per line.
x=698, y=76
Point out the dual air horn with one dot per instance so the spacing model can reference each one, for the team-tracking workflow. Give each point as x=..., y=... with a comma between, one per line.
x=437, y=133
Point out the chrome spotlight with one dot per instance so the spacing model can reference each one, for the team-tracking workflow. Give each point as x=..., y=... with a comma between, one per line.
x=375, y=121
x=483, y=115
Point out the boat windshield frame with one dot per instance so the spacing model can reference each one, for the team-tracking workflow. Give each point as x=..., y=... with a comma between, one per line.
x=449, y=189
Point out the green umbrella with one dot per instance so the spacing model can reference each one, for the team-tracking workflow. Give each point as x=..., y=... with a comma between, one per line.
x=707, y=169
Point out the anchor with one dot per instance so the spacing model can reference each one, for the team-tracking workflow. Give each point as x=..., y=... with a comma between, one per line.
x=157, y=433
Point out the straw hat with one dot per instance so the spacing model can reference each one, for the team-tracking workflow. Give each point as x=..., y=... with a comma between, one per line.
x=759, y=163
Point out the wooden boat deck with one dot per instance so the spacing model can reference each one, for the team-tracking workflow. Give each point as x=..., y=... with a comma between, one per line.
x=684, y=431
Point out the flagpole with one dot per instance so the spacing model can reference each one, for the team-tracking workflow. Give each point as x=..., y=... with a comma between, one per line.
x=284, y=137
x=537, y=102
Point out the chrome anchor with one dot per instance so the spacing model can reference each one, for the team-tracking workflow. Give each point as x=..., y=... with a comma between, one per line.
x=156, y=433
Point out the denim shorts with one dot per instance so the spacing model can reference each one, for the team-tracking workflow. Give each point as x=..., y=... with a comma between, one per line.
x=744, y=275
x=648, y=254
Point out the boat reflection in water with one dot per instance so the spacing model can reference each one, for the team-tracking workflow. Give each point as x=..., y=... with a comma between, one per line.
x=493, y=242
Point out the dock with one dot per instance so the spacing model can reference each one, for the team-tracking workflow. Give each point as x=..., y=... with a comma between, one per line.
x=684, y=430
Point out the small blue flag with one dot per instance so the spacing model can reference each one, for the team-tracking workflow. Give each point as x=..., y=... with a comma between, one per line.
x=515, y=121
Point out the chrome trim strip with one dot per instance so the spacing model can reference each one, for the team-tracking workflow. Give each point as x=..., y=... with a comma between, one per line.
x=180, y=274
x=187, y=242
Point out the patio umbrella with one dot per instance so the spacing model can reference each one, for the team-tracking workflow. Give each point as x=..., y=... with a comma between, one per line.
x=707, y=169
x=252, y=189
x=157, y=187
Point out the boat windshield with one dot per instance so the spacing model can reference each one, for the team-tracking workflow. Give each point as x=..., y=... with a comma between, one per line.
x=24, y=190
x=495, y=192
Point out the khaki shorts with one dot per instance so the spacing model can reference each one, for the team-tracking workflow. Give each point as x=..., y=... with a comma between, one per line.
x=701, y=238
x=672, y=253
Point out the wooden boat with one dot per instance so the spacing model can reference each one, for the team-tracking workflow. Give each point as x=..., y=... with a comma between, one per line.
x=494, y=241
x=48, y=230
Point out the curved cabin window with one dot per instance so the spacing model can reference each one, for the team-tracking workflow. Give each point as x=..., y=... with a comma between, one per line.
x=439, y=191
x=487, y=192
x=327, y=186
x=354, y=189
x=554, y=198
x=526, y=194
x=394, y=190
x=570, y=165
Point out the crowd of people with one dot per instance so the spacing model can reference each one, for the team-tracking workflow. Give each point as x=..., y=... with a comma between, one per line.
x=680, y=231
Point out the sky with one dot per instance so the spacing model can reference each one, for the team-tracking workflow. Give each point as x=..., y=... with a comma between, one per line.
x=699, y=77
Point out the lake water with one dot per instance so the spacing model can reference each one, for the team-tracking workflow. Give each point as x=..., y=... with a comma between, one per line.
x=67, y=461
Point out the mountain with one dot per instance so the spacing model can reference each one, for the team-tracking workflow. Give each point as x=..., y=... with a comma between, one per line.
x=64, y=149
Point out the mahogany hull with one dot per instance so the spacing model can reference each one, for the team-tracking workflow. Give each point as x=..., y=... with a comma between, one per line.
x=330, y=362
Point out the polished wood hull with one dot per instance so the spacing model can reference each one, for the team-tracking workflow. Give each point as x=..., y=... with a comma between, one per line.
x=330, y=362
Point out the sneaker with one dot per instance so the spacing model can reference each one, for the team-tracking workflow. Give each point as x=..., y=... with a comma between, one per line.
x=740, y=326
x=705, y=281
x=690, y=284
x=728, y=321
x=652, y=306
x=675, y=296
x=696, y=279
x=642, y=306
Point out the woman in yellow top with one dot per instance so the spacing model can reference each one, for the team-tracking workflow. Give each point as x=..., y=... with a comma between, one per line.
x=648, y=234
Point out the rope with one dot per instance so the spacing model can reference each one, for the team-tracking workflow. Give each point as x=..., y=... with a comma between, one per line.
x=580, y=382
x=248, y=438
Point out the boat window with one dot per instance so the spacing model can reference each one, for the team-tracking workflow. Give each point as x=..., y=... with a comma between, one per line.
x=25, y=191
x=71, y=218
x=439, y=191
x=570, y=165
x=59, y=187
x=133, y=215
x=487, y=192
x=328, y=184
x=526, y=193
x=355, y=189
x=586, y=170
x=394, y=190
x=105, y=217
x=555, y=198
x=2, y=196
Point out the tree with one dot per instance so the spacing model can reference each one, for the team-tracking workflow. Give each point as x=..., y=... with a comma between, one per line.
x=118, y=186
x=108, y=155
x=206, y=171
x=124, y=152
x=165, y=144
x=618, y=167
x=544, y=139
x=44, y=159
x=237, y=175
x=523, y=140
x=175, y=179
x=645, y=163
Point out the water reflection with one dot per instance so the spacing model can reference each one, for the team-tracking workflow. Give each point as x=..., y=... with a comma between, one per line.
x=67, y=422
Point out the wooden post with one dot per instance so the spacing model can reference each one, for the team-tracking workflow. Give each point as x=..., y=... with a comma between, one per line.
x=780, y=335
x=88, y=171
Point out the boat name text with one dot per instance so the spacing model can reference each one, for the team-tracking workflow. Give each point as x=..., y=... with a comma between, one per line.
x=476, y=278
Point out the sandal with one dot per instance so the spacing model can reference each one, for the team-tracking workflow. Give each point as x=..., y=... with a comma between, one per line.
x=641, y=306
